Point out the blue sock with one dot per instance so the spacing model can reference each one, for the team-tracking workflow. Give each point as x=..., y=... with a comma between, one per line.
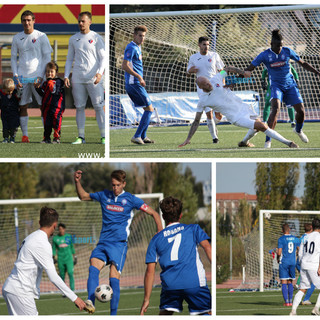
x=290, y=292
x=299, y=126
x=284, y=289
x=143, y=125
x=115, y=285
x=268, y=139
x=93, y=282
x=309, y=292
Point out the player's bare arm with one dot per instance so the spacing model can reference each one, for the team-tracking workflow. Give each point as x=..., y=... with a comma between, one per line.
x=279, y=252
x=205, y=244
x=148, y=283
x=245, y=73
x=156, y=218
x=308, y=67
x=192, y=70
x=126, y=67
x=194, y=127
x=82, y=194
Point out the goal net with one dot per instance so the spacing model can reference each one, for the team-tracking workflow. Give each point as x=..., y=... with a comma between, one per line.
x=83, y=219
x=262, y=269
x=238, y=35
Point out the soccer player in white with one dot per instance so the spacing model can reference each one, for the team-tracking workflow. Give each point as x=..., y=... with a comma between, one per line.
x=205, y=63
x=34, y=51
x=35, y=255
x=309, y=256
x=87, y=51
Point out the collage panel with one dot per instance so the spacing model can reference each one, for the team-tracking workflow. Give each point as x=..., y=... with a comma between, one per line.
x=51, y=81
x=102, y=254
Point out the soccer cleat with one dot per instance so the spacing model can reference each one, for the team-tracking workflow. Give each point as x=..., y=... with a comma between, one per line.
x=315, y=311
x=137, y=140
x=306, y=302
x=301, y=135
x=293, y=145
x=267, y=144
x=147, y=140
x=103, y=140
x=245, y=144
x=25, y=139
x=79, y=140
x=5, y=140
x=56, y=140
x=293, y=313
x=90, y=308
x=290, y=304
x=215, y=140
x=46, y=141
x=293, y=124
x=12, y=140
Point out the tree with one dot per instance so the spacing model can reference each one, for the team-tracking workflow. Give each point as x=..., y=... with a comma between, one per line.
x=311, y=197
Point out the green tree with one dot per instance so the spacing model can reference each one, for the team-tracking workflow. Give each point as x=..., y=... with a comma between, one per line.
x=311, y=197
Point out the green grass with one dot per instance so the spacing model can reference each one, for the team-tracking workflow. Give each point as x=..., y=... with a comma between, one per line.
x=92, y=149
x=256, y=303
x=130, y=303
x=167, y=140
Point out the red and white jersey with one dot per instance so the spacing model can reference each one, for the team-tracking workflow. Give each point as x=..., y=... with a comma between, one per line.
x=34, y=52
x=309, y=251
x=87, y=51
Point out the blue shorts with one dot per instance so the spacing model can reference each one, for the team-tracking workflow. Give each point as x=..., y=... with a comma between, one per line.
x=287, y=271
x=290, y=96
x=138, y=95
x=198, y=299
x=111, y=253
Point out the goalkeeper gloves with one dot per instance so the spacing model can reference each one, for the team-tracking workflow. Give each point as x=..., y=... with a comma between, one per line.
x=75, y=260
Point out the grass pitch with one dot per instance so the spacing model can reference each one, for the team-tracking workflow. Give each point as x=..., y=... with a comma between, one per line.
x=257, y=303
x=167, y=140
x=91, y=149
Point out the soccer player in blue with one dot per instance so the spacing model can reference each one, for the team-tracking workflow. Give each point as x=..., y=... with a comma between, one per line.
x=183, y=275
x=286, y=255
x=282, y=84
x=135, y=84
x=117, y=214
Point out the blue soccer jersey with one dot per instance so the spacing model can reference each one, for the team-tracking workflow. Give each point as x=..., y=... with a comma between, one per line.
x=175, y=247
x=289, y=244
x=117, y=214
x=133, y=54
x=278, y=66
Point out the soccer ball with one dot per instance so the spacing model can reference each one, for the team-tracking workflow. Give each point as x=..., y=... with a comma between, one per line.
x=103, y=293
x=267, y=215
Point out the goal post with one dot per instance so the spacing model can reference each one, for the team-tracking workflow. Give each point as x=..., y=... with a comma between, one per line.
x=238, y=35
x=83, y=220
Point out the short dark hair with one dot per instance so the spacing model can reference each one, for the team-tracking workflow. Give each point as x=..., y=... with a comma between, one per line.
x=285, y=228
x=119, y=175
x=203, y=39
x=171, y=209
x=276, y=35
x=48, y=216
x=307, y=227
x=316, y=224
x=85, y=13
x=62, y=225
x=27, y=13
x=52, y=65
x=140, y=28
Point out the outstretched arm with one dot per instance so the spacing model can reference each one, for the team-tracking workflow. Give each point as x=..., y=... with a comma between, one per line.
x=246, y=74
x=308, y=67
x=205, y=244
x=148, y=283
x=156, y=218
x=193, y=129
x=82, y=194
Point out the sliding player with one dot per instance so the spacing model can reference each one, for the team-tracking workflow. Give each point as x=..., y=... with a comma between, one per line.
x=135, y=84
x=205, y=63
x=183, y=275
x=117, y=213
x=282, y=85
x=225, y=101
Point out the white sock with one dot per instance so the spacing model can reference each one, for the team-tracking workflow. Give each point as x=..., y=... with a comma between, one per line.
x=275, y=135
x=297, y=299
x=81, y=121
x=212, y=128
x=250, y=134
x=100, y=116
x=24, y=125
x=318, y=301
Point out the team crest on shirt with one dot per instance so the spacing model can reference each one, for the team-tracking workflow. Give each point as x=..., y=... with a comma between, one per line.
x=124, y=202
x=283, y=56
x=109, y=200
x=34, y=40
x=210, y=60
x=217, y=85
x=90, y=41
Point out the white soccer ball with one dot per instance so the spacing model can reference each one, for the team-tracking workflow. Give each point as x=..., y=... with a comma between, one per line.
x=103, y=293
x=267, y=215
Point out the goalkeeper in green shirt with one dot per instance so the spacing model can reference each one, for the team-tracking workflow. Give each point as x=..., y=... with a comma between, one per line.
x=64, y=254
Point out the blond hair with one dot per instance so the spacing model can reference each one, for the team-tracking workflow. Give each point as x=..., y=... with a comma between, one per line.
x=8, y=84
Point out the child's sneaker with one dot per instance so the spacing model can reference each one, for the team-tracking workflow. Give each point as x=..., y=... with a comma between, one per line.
x=25, y=139
x=46, y=141
x=12, y=140
x=5, y=140
x=56, y=140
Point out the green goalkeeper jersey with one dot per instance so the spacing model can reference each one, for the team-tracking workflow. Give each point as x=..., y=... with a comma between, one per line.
x=63, y=246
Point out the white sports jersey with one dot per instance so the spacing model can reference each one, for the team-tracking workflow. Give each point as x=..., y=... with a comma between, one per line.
x=223, y=100
x=208, y=65
x=35, y=255
x=309, y=251
x=88, y=53
x=34, y=52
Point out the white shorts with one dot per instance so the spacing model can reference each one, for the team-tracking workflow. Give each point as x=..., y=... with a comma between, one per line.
x=81, y=91
x=308, y=277
x=201, y=109
x=26, y=96
x=247, y=121
x=20, y=306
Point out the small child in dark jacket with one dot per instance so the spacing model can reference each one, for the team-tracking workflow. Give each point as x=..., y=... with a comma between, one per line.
x=9, y=105
x=53, y=103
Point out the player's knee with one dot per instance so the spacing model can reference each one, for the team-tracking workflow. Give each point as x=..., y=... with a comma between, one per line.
x=149, y=108
x=80, y=108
